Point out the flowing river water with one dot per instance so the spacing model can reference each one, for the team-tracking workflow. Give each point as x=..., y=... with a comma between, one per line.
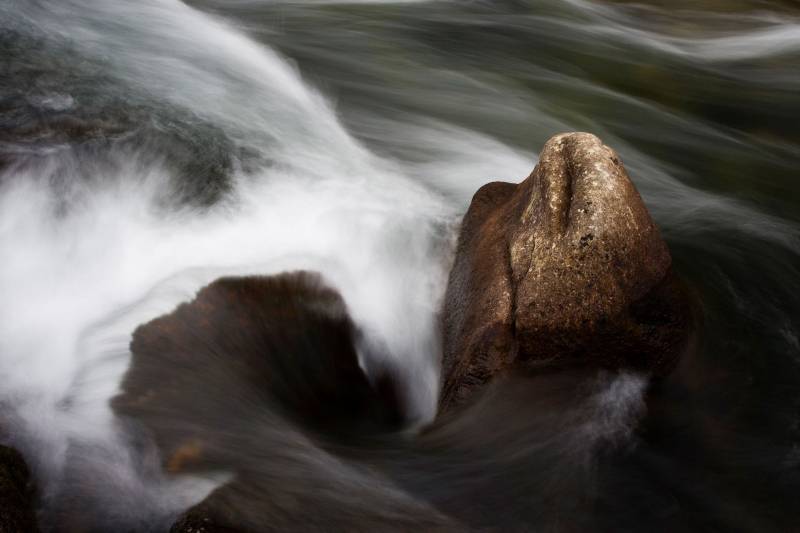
x=149, y=147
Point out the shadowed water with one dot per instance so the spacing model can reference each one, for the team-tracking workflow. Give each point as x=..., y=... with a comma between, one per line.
x=149, y=147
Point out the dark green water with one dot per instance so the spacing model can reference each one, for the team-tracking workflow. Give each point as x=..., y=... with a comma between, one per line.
x=148, y=147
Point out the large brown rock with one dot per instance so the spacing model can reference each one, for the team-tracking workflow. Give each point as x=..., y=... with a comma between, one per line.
x=565, y=267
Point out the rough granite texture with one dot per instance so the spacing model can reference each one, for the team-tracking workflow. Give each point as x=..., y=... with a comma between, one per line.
x=567, y=266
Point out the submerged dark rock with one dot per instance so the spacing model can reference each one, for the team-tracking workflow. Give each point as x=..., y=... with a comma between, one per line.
x=16, y=494
x=201, y=519
x=62, y=116
x=565, y=267
x=259, y=377
x=285, y=342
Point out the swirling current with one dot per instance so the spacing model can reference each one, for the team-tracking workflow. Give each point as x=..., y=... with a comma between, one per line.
x=149, y=147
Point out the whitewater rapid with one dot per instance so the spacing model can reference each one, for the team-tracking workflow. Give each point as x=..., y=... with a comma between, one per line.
x=94, y=244
x=85, y=263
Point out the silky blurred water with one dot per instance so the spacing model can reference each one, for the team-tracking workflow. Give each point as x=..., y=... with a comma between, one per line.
x=150, y=146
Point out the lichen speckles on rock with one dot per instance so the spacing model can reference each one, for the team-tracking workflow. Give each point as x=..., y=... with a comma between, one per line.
x=566, y=266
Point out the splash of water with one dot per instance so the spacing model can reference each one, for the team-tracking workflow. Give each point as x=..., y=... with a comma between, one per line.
x=96, y=239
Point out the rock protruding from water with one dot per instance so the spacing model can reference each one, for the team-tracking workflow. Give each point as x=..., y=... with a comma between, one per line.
x=565, y=267
x=282, y=345
x=16, y=494
x=260, y=377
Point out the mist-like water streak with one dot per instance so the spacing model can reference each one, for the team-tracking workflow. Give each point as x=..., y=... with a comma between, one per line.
x=124, y=109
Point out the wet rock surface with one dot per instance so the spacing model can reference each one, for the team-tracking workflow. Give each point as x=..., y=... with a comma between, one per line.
x=201, y=519
x=295, y=401
x=16, y=494
x=56, y=109
x=566, y=267
x=283, y=341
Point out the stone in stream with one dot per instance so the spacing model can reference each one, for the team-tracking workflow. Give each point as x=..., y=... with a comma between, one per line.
x=281, y=344
x=565, y=267
x=260, y=376
x=16, y=494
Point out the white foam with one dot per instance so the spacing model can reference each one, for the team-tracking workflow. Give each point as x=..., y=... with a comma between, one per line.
x=84, y=266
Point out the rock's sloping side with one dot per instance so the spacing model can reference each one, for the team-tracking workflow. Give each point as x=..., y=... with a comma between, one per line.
x=200, y=519
x=566, y=266
x=16, y=494
x=259, y=377
x=280, y=344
